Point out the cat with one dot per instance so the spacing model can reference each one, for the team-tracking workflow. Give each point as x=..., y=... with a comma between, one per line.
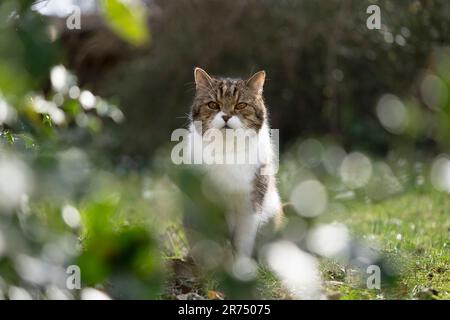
x=248, y=189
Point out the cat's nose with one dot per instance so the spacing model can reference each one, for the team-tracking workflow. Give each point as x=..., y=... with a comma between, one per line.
x=226, y=117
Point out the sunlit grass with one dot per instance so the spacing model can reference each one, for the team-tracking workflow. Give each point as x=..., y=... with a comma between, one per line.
x=412, y=231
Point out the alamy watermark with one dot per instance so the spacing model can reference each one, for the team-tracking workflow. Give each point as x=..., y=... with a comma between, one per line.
x=374, y=20
x=374, y=280
x=225, y=146
x=73, y=281
x=73, y=21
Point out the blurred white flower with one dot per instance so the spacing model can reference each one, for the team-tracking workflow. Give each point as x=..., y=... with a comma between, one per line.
x=356, y=170
x=58, y=99
x=7, y=114
x=388, y=37
x=38, y=271
x=87, y=99
x=74, y=92
x=42, y=106
x=54, y=293
x=15, y=181
x=297, y=270
x=93, y=294
x=392, y=113
x=309, y=198
x=329, y=240
x=18, y=293
x=71, y=216
x=59, y=78
x=116, y=115
x=440, y=173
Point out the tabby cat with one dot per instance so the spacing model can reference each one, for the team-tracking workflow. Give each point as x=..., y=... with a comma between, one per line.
x=248, y=188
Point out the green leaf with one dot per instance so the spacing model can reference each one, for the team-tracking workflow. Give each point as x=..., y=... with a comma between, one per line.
x=46, y=120
x=127, y=19
x=8, y=136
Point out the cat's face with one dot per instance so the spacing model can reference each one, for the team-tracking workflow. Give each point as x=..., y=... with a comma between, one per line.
x=229, y=103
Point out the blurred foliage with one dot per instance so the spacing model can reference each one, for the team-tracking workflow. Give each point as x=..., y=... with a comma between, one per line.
x=52, y=215
x=128, y=20
x=126, y=258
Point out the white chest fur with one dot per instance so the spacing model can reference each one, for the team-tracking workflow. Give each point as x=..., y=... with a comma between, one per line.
x=233, y=169
x=235, y=181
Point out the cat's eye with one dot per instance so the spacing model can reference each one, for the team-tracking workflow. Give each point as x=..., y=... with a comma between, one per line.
x=213, y=105
x=240, y=106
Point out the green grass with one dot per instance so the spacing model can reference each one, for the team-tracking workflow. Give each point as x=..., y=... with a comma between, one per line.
x=412, y=232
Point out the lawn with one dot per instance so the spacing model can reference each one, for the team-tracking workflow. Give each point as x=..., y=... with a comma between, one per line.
x=412, y=233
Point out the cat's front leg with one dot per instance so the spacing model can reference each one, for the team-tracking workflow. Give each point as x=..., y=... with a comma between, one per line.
x=244, y=235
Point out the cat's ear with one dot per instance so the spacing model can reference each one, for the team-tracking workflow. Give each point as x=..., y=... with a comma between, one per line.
x=256, y=82
x=202, y=79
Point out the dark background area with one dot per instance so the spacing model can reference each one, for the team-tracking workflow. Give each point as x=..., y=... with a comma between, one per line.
x=326, y=70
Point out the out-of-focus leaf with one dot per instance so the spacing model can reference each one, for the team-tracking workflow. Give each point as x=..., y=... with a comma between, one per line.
x=72, y=107
x=127, y=258
x=47, y=120
x=8, y=136
x=127, y=19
